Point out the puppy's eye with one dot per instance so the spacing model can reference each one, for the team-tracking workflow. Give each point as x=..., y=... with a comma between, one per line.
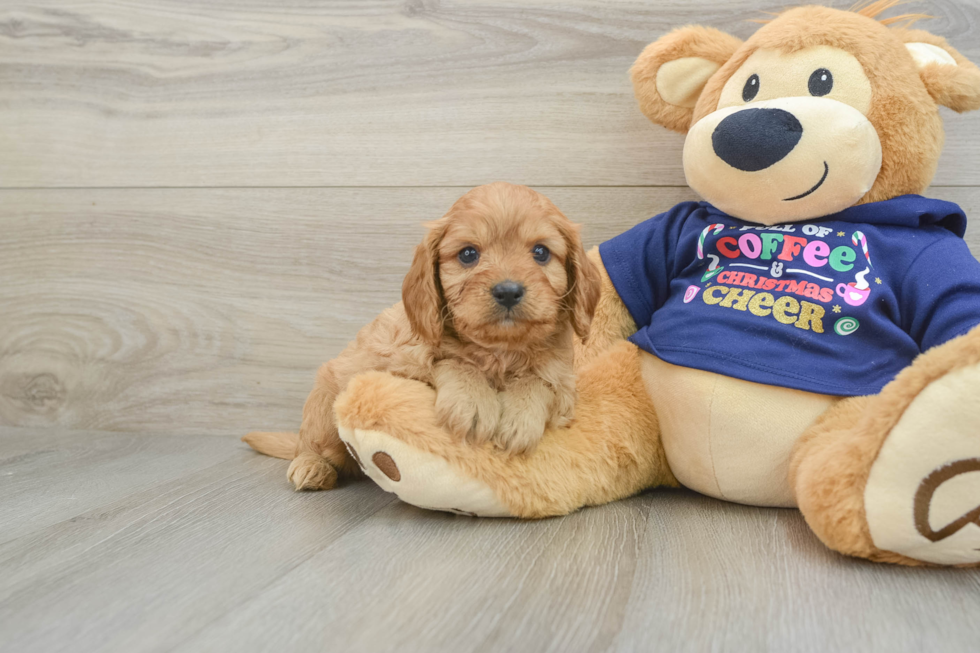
x=541, y=254
x=751, y=88
x=821, y=82
x=468, y=256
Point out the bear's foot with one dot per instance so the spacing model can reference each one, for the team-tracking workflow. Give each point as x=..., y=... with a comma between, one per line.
x=418, y=477
x=922, y=497
x=390, y=428
x=611, y=450
x=895, y=477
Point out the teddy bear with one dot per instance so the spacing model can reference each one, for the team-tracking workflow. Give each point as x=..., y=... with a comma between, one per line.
x=807, y=336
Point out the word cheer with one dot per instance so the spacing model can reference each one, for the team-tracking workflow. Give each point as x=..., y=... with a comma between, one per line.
x=787, y=310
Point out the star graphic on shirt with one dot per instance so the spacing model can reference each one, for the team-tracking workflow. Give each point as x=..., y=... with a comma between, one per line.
x=840, y=233
x=878, y=280
x=836, y=308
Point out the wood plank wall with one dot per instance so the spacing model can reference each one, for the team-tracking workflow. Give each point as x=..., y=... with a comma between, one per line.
x=200, y=202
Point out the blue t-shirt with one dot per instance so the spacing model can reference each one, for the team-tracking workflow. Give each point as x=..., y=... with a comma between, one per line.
x=837, y=305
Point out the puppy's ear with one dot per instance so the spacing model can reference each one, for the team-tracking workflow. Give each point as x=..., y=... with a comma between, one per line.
x=584, y=282
x=951, y=79
x=671, y=72
x=421, y=290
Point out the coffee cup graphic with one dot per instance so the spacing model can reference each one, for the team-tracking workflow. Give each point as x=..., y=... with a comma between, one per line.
x=852, y=294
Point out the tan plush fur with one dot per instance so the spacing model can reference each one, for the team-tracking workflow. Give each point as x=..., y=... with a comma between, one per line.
x=692, y=41
x=611, y=323
x=830, y=465
x=955, y=87
x=501, y=374
x=832, y=460
x=904, y=111
x=610, y=451
x=613, y=448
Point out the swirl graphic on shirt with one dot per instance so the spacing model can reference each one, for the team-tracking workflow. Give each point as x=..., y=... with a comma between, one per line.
x=846, y=326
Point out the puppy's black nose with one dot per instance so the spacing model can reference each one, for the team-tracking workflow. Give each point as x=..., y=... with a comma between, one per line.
x=754, y=139
x=508, y=293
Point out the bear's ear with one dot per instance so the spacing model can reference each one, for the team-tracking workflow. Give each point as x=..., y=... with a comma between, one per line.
x=671, y=72
x=951, y=79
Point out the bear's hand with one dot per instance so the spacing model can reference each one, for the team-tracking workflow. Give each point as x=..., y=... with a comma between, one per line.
x=610, y=451
x=390, y=428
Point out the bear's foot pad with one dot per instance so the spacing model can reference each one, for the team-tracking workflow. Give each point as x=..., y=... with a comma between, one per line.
x=922, y=498
x=418, y=477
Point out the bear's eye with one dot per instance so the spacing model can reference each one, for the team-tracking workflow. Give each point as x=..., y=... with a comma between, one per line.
x=751, y=88
x=821, y=82
x=468, y=256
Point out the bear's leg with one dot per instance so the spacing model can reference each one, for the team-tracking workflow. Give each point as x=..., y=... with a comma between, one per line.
x=896, y=477
x=610, y=450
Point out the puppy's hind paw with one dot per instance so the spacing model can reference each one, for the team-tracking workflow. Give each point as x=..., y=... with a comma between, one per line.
x=311, y=472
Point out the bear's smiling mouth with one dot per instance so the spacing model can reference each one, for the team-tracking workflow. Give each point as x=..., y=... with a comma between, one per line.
x=826, y=170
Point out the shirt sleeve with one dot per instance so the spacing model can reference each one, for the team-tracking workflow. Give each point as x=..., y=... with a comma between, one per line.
x=941, y=293
x=640, y=262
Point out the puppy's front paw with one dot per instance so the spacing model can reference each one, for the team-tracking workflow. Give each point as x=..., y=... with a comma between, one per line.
x=560, y=421
x=311, y=472
x=521, y=425
x=473, y=417
x=562, y=410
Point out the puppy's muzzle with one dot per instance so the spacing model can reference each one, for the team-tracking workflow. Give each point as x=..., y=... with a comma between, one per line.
x=508, y=293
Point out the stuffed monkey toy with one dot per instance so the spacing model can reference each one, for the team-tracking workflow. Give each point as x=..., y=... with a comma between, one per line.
x=807, y=336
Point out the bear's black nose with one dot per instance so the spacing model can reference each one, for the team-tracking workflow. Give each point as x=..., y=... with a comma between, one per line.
x=508, y=293
x=754, y=139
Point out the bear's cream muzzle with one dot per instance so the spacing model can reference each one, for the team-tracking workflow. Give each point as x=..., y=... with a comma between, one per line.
x=783, y=160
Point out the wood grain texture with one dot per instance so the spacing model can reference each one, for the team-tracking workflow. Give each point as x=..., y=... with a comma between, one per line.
x=75, y=471
x=481, y=585
x=226, y=558
x=192, y=310
x=189, y=311
x=759, y=580
x=164, y=93
x=669, y=570
x=150, y=567
x=143, y=308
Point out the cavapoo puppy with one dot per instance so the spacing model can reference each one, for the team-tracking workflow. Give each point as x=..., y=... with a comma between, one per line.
x=489, y=308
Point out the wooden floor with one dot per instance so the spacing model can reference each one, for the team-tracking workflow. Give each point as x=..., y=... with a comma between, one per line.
x=122, y=542
x=202, y=201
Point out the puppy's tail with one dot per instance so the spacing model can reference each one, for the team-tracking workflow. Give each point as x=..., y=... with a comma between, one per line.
x=277, y=445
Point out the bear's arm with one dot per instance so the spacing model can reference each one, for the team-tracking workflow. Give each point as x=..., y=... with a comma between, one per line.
x=611, y=323
x=640, y=263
